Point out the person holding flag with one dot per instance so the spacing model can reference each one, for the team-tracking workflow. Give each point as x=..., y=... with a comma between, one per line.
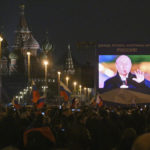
x=35, y=93
x=38, y=100
x=99, y=101
x=16, y=104
x=64, y=91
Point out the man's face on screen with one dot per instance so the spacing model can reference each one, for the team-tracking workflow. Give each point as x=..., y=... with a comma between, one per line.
x=123, y=65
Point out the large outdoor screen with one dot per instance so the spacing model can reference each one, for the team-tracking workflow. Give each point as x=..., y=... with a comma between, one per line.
x=107, y=69
x=124, y=79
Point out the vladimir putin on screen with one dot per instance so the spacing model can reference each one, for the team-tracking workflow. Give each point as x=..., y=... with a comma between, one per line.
x=124, y=78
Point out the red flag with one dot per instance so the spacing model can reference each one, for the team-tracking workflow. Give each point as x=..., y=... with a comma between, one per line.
x=99, y=101
x=35, y=94
x=45, y=131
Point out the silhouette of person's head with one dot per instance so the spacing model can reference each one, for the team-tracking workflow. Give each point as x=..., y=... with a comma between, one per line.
x=123, y=65
x=142, y=142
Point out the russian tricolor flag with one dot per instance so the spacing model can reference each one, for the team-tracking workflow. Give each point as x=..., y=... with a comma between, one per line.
x=40, y=102
x=64, y=91
x=36, y=98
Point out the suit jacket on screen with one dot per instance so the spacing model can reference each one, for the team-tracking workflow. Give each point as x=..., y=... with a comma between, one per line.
x=116, y=82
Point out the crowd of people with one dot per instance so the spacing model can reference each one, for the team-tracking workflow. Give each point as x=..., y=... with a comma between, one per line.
x=82, y=128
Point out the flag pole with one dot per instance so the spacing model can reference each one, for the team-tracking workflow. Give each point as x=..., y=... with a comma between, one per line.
x=58, y=73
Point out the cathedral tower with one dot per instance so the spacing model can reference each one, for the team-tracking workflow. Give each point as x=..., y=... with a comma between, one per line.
x=24, y=39
x=69, y=67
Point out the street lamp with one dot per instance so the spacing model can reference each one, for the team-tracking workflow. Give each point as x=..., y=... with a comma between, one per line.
x=1, y=39
x=67, y=79
x=88, y=92
x=85, y=90
x=45, y=64
x=80, y=89
x=75, y=84
x=59, y=73
x=28, y=54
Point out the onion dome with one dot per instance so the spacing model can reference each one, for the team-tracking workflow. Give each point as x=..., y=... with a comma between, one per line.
x=31, y=43
x=47, y=47
x=13, y=55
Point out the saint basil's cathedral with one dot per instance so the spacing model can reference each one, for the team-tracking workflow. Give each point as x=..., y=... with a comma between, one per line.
x=14, y=60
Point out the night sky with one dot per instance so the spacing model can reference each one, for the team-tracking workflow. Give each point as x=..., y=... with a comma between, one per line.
x=78, y=20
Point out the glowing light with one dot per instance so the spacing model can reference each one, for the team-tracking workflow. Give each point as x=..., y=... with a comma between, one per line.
x=1, y=39
x=67, y=78
x=28, y=53
x=45, y=62
x=74, y=83
x=59, y=72
x=85, y=88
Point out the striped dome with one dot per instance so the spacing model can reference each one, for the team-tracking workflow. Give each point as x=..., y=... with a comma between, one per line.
x=31, y=43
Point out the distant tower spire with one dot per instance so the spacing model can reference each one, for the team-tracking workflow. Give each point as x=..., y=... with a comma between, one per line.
x=69, y=67
x=22, y=23
x=69, y=47
x=22, y=33
x=22, y=7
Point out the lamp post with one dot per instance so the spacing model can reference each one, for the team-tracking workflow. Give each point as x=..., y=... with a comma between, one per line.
x=67, y=79
x=85, y=91
x=80, y=89
x=75, y=84
x=59, y=73
x=28, y=54
x=1, y=39
x=45, y=64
